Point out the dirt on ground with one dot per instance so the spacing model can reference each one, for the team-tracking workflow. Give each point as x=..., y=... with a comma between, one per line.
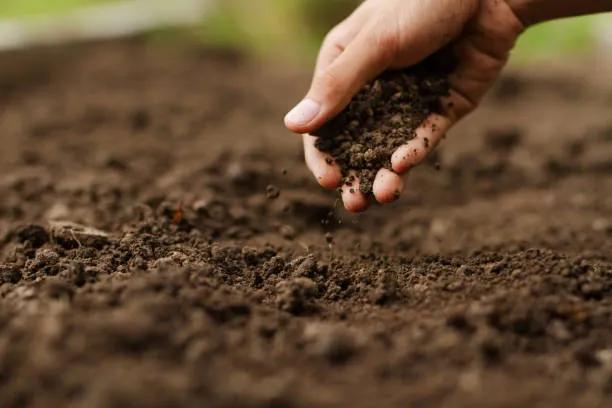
x=163, y=245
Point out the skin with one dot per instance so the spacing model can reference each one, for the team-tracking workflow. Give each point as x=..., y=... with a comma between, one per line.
x=394, y=34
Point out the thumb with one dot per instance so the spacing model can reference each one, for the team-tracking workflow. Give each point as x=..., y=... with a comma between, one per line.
x=332, y=89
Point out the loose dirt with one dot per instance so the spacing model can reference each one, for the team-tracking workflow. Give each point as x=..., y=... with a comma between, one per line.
x=143, y=264
x=382, y=116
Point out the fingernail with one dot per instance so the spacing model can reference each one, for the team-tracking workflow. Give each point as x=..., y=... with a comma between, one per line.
x=303, y=113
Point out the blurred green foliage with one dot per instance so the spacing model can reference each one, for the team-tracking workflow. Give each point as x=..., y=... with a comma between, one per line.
x=292, y=28
x=568, y=36
x=26, y=8
x=295, y=28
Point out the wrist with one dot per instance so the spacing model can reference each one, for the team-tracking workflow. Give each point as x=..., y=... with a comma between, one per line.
x=532, y=12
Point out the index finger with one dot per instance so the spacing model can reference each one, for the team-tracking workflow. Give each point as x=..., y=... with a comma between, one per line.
x=340, y=37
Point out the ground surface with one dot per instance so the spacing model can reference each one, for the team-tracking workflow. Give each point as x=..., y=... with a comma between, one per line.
x=489, y=284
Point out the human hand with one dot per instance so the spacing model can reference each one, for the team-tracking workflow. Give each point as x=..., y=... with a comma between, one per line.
x=395, y=34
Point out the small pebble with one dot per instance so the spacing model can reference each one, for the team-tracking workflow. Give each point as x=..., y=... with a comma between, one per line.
x=272, y=192
x=329, y=238
x=287, y=232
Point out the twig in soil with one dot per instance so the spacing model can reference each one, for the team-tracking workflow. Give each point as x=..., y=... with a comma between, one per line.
x=76, y=239
x=51, y=235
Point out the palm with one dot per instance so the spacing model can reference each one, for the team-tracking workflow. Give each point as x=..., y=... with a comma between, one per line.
x=484, y=37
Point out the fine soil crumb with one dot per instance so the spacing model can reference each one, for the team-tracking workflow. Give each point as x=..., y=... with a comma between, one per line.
x=384, y=115
x=272, y=192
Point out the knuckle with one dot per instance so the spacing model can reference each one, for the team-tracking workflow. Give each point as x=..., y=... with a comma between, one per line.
x=333, y=37
x=386, y=45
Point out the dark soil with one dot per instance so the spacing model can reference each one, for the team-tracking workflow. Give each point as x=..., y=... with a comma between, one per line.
x=143, y=264
x=382, y=116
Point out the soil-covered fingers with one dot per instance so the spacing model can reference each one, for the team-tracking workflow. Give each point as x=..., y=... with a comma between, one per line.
x=354, y=200
x=427, y=137
x=325, y=170
x=388, y=186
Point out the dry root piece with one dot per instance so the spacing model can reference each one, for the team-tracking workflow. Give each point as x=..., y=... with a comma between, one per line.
x=73, y=234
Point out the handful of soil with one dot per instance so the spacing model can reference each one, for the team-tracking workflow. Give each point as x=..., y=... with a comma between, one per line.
x=383, y=115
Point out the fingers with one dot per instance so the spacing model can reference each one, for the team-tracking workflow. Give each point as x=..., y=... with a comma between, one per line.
x=331, y=89
x=354, y=200
x=320, y=164
x=328, y=175
x=427, y=138
x=476, y=73
x=388, y=186
x=341, y=36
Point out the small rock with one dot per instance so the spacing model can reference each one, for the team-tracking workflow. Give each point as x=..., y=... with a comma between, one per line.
x=70, y=234
x=76, y=273
x=454, y=286
x=48, y=256
x=57, y=212
x=465, y=270
x=336, y=344
x=304, y=266
x=272, y=192
x=235, y=172
x=296, y=295
x=274, y=266
x=494, y=267
x=387, y=290
x=44, y=264
x=558, y=330
x=164, y=264
x=602, y=225
x=605, y=358
x=287, y=232
x=438, y=228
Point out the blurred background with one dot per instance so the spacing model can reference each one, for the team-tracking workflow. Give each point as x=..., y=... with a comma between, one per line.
x=289, y=28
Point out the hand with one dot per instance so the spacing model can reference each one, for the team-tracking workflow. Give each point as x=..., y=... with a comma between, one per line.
x=394, y=34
